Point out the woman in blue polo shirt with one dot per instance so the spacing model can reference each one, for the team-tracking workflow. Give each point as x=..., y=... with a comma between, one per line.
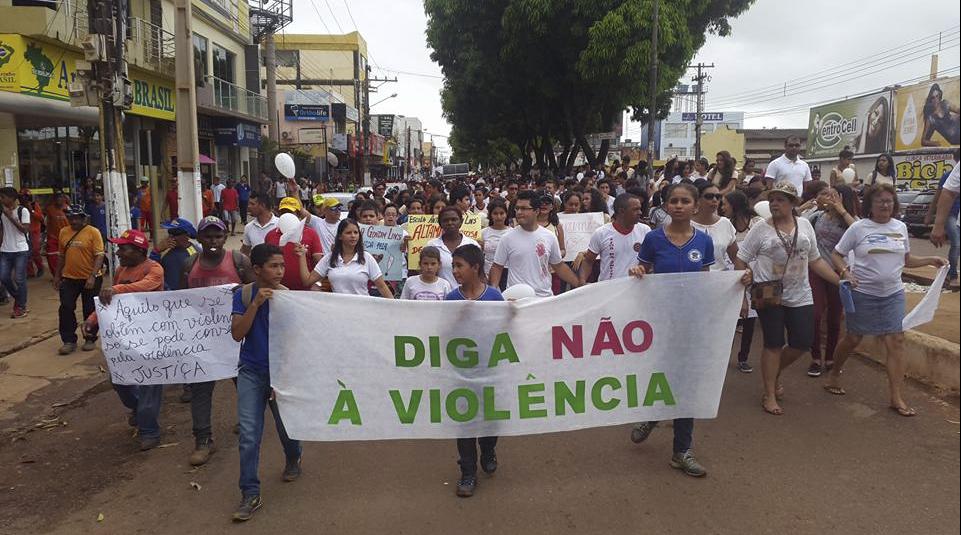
x=676, y=247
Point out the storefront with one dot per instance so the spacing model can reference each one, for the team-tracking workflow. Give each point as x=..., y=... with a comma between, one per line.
x=236, y=143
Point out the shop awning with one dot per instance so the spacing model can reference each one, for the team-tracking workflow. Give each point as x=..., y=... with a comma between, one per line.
x=206, y=160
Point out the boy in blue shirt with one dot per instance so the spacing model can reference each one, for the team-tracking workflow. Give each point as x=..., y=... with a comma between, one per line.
x=250, y=327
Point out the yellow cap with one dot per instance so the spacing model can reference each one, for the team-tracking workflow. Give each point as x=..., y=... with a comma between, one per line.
x=290, y=203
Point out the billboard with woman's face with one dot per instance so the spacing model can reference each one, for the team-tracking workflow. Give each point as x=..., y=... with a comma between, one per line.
x=861, y=123
x=927, y=115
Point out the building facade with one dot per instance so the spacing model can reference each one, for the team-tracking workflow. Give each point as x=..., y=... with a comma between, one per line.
x=678, y=134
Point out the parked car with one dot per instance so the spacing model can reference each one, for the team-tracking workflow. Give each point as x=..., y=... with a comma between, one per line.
x=904, y=199
x=915, y=211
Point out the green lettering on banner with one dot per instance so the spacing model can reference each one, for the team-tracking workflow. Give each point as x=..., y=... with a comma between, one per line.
x=434, y=344
x=526, y=398
x=401, y=360
x=563, y=397
x=345, y=408
x=503, y=349
x=451, y=404
x=631, y=391
x=658, y=390
x=407, y=414
x=597, y=392
x=434, y=405
x=491, y=411
x=467, y=358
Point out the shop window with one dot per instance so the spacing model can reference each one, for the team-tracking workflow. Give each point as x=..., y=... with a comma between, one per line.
x=675, y=130
x=200, y=58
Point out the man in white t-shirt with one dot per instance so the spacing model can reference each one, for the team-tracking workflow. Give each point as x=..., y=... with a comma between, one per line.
x=949, y=192
x=14, y=249
x=529, y=251
x=616, y=243
x=789, y=166
x=326, y=226
x=218, y=188
x=263, y=222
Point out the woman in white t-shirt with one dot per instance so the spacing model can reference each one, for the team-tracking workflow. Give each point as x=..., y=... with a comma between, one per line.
x=884, y=171
x=719, y=228
x=737, y=209
x=780, y=250
x=881, y=249
x=491, y=235
x=348, y=267
x=450, y=219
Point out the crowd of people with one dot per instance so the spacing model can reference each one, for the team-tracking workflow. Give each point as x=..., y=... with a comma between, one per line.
x=801, y=243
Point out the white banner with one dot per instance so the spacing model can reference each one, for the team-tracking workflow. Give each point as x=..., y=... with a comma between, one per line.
x=578, y=229
x=155, y=338
x=355, y=368
x=924, y=311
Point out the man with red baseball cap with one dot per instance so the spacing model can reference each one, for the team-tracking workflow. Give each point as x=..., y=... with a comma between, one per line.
x=136, y=273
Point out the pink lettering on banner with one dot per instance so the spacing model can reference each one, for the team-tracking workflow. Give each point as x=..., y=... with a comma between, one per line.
x=636, y=337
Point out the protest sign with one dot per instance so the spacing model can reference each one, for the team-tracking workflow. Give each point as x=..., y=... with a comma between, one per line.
x=385, y=244
x=611, y=353
x=153, y=338
x=471, y=226
x=422, y=229
x=578, y=229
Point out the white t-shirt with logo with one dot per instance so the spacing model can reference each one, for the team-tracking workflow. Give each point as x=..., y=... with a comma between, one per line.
x=796, y=172
x=879, y=251
x=769, y=260
x=446, y=257
x=327, y=232
x=616, y=251
x=254, y=233
x=723, y=234
x=352, y=277
x=491, y=237
x=418, y=290
x=528, y=257
x=15, y=241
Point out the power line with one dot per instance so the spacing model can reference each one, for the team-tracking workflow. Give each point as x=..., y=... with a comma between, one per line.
x=337, y=22
x=421, y=74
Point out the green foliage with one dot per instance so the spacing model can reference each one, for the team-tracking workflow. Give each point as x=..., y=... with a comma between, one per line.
x=522, y=75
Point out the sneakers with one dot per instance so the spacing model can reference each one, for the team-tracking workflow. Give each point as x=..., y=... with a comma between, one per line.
x=466, y=485
x=292, y=470
x=18, y=312
x=686, y=463
x=89, y=345
x=202, y=452
x=67, y=348
x=744, y=367
x=814, y=370
x=642, y=431
x=248, y=505
x=149, y=443
x=489, y=463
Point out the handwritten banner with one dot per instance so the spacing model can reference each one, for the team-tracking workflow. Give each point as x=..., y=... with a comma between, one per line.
x=424, y=228
x=156, y=338
x=578, y=229
x=610, y=353
x=385, y=244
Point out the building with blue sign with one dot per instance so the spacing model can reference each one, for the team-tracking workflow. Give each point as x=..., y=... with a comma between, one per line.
x=678, y=133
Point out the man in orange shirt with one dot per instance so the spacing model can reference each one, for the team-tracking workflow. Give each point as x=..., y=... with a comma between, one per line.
x=56, y=221
x=79, y=275
x=35, y=266
x=136, y=273
x=143, y=202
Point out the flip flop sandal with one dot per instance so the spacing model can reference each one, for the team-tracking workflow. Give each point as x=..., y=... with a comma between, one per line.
x=835, y=390
x=904, y=411
x=776, y=412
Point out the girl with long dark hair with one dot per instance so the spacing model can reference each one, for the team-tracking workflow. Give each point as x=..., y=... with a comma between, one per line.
x=348, y=267
x=884, y=171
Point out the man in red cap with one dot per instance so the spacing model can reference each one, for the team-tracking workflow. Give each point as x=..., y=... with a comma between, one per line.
x=136, y=273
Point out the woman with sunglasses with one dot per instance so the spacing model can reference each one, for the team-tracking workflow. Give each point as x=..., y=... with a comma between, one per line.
x=719, y=228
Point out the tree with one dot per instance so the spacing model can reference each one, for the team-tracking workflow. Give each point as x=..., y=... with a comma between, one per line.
x=543, y=74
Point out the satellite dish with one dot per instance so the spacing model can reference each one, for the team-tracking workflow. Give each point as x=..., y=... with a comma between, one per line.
x=285, y=165
x=332, y=159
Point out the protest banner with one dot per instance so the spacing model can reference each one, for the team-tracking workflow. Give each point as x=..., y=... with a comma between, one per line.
x=183, y=336
x=385, y=244
x=422, y=229
x=924, y=311
x=471, y=226
x=578, y=229
x=611, y=353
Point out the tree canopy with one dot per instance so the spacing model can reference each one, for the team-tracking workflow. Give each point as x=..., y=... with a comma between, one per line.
x=524, y=76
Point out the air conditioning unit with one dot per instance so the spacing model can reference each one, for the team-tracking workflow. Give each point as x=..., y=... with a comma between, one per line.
x=94, y=47
x=286, y=136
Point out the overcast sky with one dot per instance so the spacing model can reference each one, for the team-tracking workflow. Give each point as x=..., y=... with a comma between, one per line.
x=773, y=43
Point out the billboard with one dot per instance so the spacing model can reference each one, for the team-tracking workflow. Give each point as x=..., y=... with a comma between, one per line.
x=927, y=114
x=922, y=171
x=861, y=123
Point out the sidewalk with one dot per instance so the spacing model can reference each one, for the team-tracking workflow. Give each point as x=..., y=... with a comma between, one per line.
x=40, y=324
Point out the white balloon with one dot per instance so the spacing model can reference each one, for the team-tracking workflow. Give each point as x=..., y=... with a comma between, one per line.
x=763, y=209
x=518, y=292
x=291, y=229
x=285, y=164
x=848, y=175
x=332, y=159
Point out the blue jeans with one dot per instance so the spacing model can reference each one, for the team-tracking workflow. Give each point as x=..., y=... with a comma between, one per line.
x=954, y=239
x=683, y=434
x=253, y=398
x=144, y=401
x=13, y=274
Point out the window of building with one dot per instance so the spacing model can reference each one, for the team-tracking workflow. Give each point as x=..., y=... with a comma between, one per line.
x=707, y=128
x=224, y=63
x=680, y=152
x=200, y=58
x=675, y=130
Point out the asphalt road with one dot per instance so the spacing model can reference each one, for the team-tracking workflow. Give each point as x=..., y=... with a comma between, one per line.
x=830, y=465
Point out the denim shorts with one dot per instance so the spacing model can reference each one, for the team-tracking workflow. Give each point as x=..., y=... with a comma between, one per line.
x=874, y=316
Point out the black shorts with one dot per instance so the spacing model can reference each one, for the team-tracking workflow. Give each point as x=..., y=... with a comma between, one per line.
x=799, y=322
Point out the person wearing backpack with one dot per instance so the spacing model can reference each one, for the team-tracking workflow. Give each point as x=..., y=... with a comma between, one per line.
x=80, y=274
x=14, y=249
x=213, y=266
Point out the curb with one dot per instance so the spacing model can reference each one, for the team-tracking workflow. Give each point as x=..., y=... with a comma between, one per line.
x=928, y=359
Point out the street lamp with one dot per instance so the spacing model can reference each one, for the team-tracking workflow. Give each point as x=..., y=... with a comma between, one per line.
x=383, y=99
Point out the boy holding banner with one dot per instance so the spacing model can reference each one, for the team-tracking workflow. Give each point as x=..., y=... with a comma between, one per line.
x=249, y=326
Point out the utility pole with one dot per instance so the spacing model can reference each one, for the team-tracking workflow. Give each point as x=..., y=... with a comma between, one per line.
x=365, y=123
x=699, y=116
x=652, y=115
x=270, y=62
x=188, y=150
x=407, y=158
x=106, y=48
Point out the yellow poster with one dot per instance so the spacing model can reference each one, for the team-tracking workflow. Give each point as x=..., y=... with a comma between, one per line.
x=927, y=115
x=424, y=228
